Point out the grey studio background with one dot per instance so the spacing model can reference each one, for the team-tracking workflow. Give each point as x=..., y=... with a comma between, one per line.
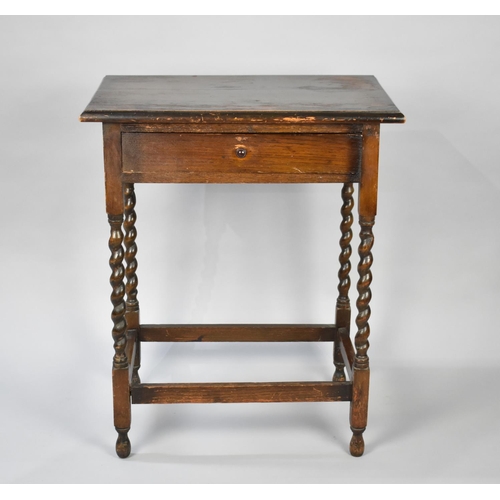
x=252, y=254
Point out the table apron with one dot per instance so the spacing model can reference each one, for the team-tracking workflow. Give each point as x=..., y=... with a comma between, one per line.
x=237, y=158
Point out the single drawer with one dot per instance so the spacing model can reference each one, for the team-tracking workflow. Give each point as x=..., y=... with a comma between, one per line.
x=225, y=158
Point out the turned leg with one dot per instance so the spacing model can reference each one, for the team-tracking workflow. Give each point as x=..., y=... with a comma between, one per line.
x=121, y=389
x=343, y=310
x=361, y=368
x=367, y=208
x=132, y=304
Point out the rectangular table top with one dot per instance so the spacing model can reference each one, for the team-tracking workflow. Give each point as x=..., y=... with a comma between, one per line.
x=231, y=99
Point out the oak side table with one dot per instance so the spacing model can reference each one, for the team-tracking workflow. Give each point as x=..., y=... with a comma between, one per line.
x=241, y=129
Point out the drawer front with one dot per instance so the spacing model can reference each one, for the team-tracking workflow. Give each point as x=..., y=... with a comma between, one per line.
x=221, y=158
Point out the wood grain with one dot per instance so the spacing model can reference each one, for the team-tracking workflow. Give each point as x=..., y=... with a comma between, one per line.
x=210, y=157
x=113, y=168
x=122, y=410
x=237, y=333
x=244, y=128
x=289, y=129
x=236, y=178
x=368, y=183
x=252, y=99
x=244, y=392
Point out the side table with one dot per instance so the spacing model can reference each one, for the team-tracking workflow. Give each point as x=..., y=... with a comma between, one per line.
x=241, y=129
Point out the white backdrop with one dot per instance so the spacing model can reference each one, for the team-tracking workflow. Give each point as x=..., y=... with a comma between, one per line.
x=252, y=254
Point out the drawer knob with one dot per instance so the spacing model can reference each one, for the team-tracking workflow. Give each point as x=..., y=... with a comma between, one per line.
x=241, y=152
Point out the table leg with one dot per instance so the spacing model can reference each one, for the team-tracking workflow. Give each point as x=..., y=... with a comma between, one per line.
x=121, y=388
x=361, y=368
x=131, y=304
x=343, y=309
x=367, y=208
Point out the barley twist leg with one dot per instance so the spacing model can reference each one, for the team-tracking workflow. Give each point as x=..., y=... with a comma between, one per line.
x=343, y=310
x=121, y=391
x=361, y=368
x=131, y=304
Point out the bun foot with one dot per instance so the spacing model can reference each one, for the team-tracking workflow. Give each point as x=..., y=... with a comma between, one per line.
x=123, y=443
x=339, y=376
x=357, y=446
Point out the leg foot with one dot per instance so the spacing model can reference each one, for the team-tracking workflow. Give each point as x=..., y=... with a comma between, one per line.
x=123, y=443
x=357, y=445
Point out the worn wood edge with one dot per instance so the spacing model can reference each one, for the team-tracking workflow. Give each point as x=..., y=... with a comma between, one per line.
x=236, y=178
x=237, y=333
x=244, y=128
x=108, y=116
x=347, y=350
x=242, y=392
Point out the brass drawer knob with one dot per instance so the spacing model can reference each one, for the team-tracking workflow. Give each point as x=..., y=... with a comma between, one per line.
x=241, y=152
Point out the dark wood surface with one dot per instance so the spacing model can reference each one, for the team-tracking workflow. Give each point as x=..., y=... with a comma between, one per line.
x=242, y=392
x=222, y=129
x=175, y=157
x=113, y=169
x=270, y=98
x=200, y=127
x=237, y=333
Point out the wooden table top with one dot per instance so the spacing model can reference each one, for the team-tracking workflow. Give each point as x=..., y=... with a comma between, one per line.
x=232, y=99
